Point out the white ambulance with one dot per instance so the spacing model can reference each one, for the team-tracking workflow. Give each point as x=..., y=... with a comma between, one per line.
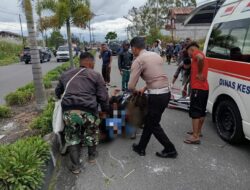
x=227, y=50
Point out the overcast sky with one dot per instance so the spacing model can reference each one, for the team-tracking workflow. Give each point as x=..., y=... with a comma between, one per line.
x=111, y=17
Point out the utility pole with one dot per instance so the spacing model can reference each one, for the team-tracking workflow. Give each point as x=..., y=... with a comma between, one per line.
x=90, y=38
x=20, y=20
x=157, y=14
x=93, y=34
x=127, y=30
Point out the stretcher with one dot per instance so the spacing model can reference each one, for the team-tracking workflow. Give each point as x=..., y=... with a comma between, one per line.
x=177, y=101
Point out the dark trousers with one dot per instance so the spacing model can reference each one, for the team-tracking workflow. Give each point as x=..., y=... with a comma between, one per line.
x=125, y=79
x=74, y=156
x=169, y=58
x=106, y=73
x=156, y=106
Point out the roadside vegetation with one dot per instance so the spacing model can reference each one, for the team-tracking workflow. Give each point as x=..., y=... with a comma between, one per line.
x=44, y=121
x=21, y=96
x=22, y=164
x=9, y=52
x=5, y=112
x=25, y=94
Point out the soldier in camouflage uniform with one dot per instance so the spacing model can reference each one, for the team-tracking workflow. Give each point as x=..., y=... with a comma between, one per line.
x=82, y=127
x=84, y=92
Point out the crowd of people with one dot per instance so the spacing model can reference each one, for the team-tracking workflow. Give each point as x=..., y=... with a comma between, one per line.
x=83, y=89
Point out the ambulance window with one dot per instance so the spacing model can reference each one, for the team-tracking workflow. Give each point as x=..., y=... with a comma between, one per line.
x=237, y=37
x=230, y=40
x=217, y=46
x=246, y=48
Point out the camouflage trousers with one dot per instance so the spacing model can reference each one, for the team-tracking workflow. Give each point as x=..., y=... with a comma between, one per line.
x=80, y=127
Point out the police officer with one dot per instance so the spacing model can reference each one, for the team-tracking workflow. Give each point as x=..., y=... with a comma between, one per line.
x=85, y=91
x=124, y=62
x=149, y=66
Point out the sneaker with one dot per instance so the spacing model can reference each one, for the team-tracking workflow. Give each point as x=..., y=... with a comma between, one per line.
x=76, y=171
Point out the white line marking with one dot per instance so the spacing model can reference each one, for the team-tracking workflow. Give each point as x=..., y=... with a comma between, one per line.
x=117, y=160
x=103, y=174
x=128, y=174
x=53, y=158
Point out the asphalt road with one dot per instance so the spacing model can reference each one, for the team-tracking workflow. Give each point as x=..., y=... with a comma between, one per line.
x=213, y=165
x=17, y=75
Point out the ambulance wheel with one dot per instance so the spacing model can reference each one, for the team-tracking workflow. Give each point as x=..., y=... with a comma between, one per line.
x=229, y=122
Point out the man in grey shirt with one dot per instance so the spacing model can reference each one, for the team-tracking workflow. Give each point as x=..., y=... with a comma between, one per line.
x=157, y=47
x=149, y=66
x=80, y=103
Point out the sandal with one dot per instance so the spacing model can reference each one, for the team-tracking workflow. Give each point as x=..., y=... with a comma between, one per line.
x=191, y=133
x=76, y=172
x=190, y=141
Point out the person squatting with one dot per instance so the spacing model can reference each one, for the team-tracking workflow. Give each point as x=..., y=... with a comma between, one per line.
x=84, y=90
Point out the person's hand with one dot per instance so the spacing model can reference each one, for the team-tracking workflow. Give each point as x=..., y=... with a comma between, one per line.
x=109, y=66
x=184, y=88
x=121, y=72
x=141, y=91
x=116, y=92
x=200, y=77
x=103, y=115
x=171, y=85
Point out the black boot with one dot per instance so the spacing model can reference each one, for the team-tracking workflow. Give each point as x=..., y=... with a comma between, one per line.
x=138, y=150
x=92, y=154
x=167, y=154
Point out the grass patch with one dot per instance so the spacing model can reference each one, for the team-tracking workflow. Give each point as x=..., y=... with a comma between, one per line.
x=44, y=121
x=93, y=52
x=5, y=112
x=54, y=75
x=19, y=98
x=9, y=52
x=25, y=94
x=22, y=163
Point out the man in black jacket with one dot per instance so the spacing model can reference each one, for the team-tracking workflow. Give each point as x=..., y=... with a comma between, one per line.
x=79, y=104
x=124, y=62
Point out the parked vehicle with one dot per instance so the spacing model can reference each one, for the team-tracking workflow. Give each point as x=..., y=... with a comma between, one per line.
x=62, y=53
x=227, y=50
x=49, y=51
x=44, y=55
x=25, y=51
x=114, y=47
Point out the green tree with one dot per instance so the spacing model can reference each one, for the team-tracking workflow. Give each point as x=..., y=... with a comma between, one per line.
x=111, y=36
x=56, y=39
x=154, y=34
x=76, y=12
x=159, y=11
x=153, y=14
x=40, y=96
x=41, y=27
x=185, y=3
x=141, y=20
x=75, y=39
